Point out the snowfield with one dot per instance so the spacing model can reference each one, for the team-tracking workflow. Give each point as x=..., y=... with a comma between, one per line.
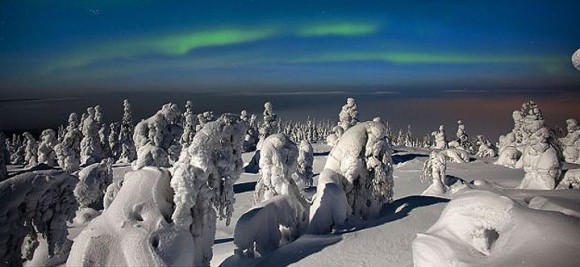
x=543, y=228
x=481, y=221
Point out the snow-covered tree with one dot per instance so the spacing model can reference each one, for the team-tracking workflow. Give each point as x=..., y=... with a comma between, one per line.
x=252, y=135
x=189, y=123
x=91, y=150
x=113, y=140
x=93, y=182
x=357, y=178
x=127, y=146
x=31, y=150
x=440, y=138
x=19, y=147
x=571, y=142
x=333, y=138
x=68, y=158
x=540, y=162
x=203, y=180
x=202, y=119
x=485, y=149
x=462, y=141
x=434, y=170
x=154, y=136
x=36, y=207
x=280, y=213
x=508, y=151
x=268, y=123
x=348, y=115
x=73, y=130
x=4, y=157
x=46, y=153
x=277, y=164
x=304, y=174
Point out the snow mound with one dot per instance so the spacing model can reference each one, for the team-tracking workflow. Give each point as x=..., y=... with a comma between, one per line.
x=269, y=225
x=571, y=180
x=481, y=228
x=135, y=229
x=36, y=206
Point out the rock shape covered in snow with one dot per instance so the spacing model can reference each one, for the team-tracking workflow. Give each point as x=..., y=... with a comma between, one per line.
x=357, y=178
x=203, y=180
x=36, y=207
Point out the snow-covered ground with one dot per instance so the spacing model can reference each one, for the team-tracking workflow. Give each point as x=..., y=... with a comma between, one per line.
x=387, y=240
x=480, y=228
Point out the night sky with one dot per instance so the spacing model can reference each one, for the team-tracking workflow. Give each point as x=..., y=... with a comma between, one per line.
x=61, y=46
x=411, y=62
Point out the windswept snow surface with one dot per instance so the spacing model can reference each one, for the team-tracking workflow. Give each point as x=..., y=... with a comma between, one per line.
x=541, y=228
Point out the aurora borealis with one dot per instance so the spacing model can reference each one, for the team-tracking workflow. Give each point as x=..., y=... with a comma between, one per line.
x=412, y=62
x=62, y=46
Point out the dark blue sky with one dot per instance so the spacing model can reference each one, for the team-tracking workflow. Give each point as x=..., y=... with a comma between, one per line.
x=61, y=46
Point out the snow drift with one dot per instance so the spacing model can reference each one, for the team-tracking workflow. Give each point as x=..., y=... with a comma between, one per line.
x=482, y=228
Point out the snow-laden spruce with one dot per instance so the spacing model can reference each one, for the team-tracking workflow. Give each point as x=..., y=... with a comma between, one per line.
x=69, y=149
x=527, y=121
x=36, y=207
x=508, y=151
x=202, y=119
x=31, y=150
x=277, y=164
x=189, y=123
x=252, y=134
x=154, y=137
x=128, y=151
x=268, y=123
x=571, y=142
x=440, y=138
x=347, y=118
x=485, y=149
x=46, y=153
x=4, y=157
x=357, y=178
x=93, y=182
x=91, y=149
x=348, y=115
x=540, y=162
x=303, y=175
x=280, y=213
x=203, y=180
x=434, y=172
